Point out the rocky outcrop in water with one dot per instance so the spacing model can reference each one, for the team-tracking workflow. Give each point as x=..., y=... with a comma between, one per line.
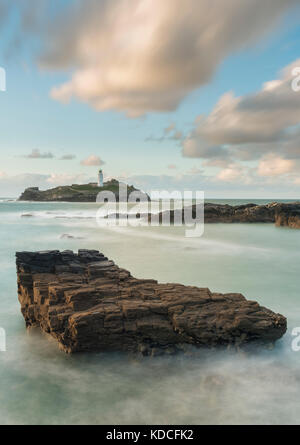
x=280, y=214
x=250, y=213
x=87, y=303
x=78, y=193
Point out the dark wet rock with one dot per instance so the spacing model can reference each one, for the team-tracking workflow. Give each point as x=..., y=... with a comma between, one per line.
x=281, y=214
x=87, y=303
x=288, y=215
x=250, y=213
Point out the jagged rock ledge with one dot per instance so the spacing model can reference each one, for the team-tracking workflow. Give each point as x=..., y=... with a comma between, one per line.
x=287, y=215
x=87, y=303
x=279, y=213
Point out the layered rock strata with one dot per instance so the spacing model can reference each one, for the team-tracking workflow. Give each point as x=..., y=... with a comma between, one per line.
x=87, y=303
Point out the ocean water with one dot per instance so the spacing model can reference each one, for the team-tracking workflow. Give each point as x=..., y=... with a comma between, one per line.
x=41, y=385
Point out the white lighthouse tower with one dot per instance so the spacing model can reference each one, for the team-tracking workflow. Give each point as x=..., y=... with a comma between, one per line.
x=100, y=178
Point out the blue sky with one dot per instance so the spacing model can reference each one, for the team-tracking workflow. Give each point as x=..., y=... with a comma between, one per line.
x=138, y=148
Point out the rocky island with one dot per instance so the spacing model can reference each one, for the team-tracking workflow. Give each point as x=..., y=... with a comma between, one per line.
x=75, y=192
x=87, y=303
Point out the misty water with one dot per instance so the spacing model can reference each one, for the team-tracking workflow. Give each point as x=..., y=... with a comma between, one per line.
x=41, y=385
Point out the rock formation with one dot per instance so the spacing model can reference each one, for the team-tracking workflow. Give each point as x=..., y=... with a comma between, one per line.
x=87, y=303
x=280, y=214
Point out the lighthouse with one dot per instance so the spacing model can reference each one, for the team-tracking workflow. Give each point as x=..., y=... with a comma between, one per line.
x=100, y=178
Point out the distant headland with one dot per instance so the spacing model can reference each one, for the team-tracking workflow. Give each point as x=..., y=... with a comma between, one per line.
x=76, y=192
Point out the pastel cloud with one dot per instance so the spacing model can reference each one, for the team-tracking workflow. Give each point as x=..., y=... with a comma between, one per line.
x=92, y=161
x=142, y=56
x=257, y=118
x=231, y=173
x=272, y=165
x=262, y=127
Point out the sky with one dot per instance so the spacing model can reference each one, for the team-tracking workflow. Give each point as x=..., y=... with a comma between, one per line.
x=196, y=95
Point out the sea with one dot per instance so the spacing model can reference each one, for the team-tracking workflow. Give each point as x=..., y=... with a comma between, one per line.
x=39, y=384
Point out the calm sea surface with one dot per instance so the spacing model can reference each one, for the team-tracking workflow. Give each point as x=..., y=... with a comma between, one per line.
x=41, y=385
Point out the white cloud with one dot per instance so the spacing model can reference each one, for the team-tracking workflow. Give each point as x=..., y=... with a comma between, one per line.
x=273, y=165
x=147, y=55
x=92, y=161
x=195, y=146
x=232, y=173
x=261, y=127
x=257, y=118
x=66, y=179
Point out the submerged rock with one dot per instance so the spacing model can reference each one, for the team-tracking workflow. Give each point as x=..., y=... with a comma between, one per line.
x=87, y=303
x=68, y=236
